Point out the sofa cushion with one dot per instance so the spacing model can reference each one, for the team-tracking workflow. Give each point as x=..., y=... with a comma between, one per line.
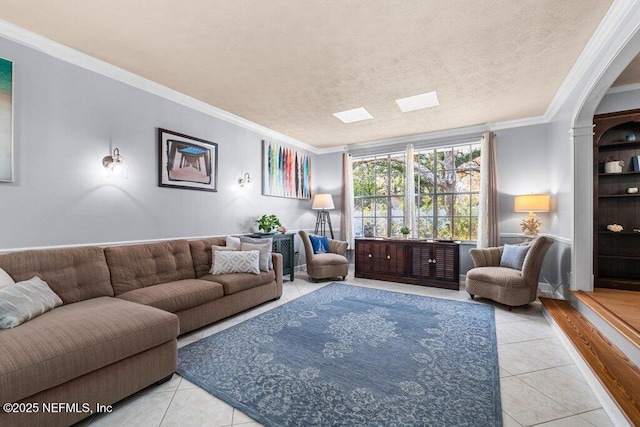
x=5, y=279
x=176, y=296
x=25, y=300
x=501, y=276
x=216, y=248
x=74, y=274
x=201, y=253
x=264, y=258
x=236, y=262
x=237, y=282
x=76, y=339
x=138, y=266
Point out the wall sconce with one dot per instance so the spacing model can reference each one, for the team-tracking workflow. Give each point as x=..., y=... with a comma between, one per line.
x=115, y=165
x=245, y=180
x=531, y=203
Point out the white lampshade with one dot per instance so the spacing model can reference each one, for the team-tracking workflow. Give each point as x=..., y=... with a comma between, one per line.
x=323, y=201
x=531, y=203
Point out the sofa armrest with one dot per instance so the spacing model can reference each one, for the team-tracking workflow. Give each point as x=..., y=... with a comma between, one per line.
x=277, y=268
x=486, y=257
x=338, y=247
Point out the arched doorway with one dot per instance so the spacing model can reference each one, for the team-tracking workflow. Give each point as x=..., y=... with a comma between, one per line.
x=619, y=51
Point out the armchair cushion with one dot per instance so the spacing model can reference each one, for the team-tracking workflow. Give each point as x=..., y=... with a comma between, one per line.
x=513, y=256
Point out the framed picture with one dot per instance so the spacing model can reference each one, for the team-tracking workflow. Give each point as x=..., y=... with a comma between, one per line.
x=187, y=162
x=6, y=120
x=286, y=172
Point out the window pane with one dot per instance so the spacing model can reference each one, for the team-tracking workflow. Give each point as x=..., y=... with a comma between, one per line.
x=474, y=228
x=462, y=205
x=381, y=227
x=397, y=206
x=475, y=201
x=425, y=206
x=396, y=224
x=444, y=229
x=425, y=228
x=397, y=165
x=382, y=179
x=462, y=228
x=357, y=227
x=381, y=206
x=475, y=181
x=445, y=206
x=364, y=177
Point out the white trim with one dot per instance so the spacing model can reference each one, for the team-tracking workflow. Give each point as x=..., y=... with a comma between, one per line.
x=65, y=53
x=608, y=404
x=560, y=239
x=608, y=27
x=107, y=244
x=625, y=88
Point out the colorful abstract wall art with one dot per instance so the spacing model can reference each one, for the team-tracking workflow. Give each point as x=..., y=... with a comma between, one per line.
x=286, y=172
x=6, y=120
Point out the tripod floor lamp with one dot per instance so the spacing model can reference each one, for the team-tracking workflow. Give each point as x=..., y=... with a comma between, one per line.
x=323, y=202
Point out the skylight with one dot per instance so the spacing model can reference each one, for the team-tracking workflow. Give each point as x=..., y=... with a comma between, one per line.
x=418, y=102
x=355, y=115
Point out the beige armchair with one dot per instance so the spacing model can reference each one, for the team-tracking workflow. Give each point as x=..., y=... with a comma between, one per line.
x=324, y=266
x=503, y=284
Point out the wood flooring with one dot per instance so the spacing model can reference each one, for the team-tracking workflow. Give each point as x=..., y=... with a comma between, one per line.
x=614, y=370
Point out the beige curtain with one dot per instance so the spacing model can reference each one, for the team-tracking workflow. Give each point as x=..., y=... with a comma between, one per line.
x=409, y=193
x=488, y=226
x=346, y=215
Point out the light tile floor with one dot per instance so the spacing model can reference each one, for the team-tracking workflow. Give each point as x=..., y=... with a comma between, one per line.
x=540, y=385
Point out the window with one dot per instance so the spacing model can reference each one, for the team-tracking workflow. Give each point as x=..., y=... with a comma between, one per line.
x=447, y=185
x=378, y=189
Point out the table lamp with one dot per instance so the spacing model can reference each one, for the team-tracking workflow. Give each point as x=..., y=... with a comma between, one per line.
x=531, y=203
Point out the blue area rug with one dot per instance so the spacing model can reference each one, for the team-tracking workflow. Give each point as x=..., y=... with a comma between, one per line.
x=346, y=355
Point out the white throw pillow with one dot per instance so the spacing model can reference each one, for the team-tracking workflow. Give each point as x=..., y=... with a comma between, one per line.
x=25, y=300
x=5, y=279
x=265, y=253
x=227, y=262
x=215, y=249
x=233, y=242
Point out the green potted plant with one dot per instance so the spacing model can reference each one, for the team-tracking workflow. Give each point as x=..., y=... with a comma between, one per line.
x=405, y=231
x=267, y=223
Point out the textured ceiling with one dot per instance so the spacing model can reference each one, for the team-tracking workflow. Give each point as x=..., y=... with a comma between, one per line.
x=289, y=65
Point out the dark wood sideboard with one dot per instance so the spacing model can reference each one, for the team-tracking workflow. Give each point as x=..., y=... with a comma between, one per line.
x=418, y=262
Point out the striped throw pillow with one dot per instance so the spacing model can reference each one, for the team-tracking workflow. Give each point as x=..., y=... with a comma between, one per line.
x=24, y=301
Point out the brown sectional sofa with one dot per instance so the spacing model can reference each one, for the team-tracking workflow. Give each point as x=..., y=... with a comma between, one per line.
x=115, y=334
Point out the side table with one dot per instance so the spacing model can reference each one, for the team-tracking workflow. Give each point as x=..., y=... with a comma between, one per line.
x=282, y=244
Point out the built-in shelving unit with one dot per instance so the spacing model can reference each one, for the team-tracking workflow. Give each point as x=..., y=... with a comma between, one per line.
x=616, y=254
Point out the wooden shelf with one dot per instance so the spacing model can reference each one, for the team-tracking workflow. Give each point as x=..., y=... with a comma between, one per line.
x=618, y=145
x=632, y=258
x=615, y=259
x=623, y=233
x=620, y=173
x=619, y=195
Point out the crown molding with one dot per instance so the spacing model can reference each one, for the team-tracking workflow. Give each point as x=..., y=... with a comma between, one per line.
x=75, y=57
x=615, y=18
x=611, y=23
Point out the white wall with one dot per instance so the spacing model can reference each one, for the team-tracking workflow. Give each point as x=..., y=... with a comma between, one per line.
x=67, y=119
x=619, y=101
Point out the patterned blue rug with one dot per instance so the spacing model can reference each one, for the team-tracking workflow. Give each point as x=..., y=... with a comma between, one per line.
x=346, y=355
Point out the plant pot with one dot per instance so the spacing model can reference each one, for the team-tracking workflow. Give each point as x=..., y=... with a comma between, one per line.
x=613, y=167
